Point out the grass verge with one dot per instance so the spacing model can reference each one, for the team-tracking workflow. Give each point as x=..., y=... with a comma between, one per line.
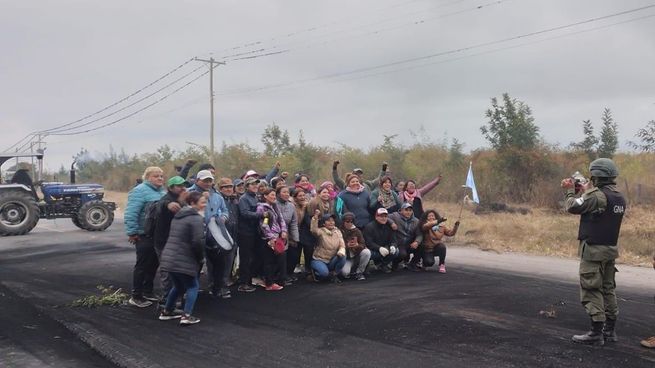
x=547, y=232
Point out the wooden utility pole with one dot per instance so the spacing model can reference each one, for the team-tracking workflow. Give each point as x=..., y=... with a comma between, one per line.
x=212, y=64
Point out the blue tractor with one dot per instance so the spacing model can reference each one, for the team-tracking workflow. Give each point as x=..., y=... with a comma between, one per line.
x=21, y=208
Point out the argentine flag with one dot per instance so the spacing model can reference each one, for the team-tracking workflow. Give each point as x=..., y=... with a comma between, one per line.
x=470, y=183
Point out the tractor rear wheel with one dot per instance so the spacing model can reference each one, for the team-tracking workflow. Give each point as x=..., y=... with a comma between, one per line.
x=19, y=212
x=95, y=216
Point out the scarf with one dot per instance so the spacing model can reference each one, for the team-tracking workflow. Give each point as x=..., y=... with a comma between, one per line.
x=309, y=187
x=387, y=198
x=358, y=190
x=409, y=197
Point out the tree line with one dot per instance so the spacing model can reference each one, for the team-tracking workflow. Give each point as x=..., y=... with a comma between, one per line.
x=519, y=166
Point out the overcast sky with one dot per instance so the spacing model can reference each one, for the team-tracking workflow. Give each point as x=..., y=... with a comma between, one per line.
x=62, y=60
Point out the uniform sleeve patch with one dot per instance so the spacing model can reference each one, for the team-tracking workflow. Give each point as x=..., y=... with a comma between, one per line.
x=579, y=201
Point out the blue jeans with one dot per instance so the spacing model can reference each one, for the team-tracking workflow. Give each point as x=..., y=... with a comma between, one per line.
x=182, y=284
x=323, y=269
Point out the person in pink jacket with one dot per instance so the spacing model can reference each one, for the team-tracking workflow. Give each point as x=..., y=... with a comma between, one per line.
x=414, y=195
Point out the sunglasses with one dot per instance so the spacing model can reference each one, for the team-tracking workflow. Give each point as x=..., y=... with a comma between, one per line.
x=347, y=220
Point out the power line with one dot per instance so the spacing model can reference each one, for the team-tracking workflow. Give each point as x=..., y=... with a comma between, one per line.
x=434, y=55
x=285, y=48
x=137, y=111
x=292, y=34
x=499, y=49
x=124, y=98
x=53, y=130
x=33, y=134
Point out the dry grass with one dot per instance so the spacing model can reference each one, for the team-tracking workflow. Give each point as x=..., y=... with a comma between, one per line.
x=548, y=232
x=119, y=197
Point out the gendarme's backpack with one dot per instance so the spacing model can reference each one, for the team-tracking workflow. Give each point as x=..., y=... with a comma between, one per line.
x=152, y=210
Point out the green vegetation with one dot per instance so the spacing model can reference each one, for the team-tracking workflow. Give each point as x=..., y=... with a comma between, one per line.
x=518, y=167
x=108, y=296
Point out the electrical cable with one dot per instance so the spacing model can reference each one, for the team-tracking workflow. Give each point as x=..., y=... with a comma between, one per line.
x=124, y=98
x=135, y=112
x=285, y=48
x=35, y=133
x=316, y=28
x=433, y=55
x=53, y=130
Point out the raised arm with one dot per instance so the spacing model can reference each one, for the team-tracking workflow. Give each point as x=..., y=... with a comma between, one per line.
x=338, y=182
x=273, y=173
x=429, y=186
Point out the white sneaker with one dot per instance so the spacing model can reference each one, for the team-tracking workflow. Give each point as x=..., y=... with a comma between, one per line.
x=141, y=303
x=189, y=320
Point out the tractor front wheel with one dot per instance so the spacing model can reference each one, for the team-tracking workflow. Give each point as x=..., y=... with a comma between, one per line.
x=95, y=216
x=19, y=212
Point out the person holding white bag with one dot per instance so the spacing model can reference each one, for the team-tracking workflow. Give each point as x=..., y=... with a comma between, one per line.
x=217, y=212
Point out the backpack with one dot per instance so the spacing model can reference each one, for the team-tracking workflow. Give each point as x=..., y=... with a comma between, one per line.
x=152, y=210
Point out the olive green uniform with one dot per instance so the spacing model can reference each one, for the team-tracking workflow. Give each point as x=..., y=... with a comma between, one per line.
x=597, y=262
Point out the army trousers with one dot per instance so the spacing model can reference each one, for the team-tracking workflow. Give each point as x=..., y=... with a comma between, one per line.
x=597, y=289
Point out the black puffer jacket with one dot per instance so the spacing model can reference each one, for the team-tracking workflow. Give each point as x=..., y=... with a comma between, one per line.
x=183, y=252
x=379, y=235
x=164, y=219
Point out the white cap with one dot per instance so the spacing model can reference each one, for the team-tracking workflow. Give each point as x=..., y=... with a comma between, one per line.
x=204, y=174
x=382, y=211
x=250, y=173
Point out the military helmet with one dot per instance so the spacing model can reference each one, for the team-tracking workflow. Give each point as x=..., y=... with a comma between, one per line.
x=603, y=168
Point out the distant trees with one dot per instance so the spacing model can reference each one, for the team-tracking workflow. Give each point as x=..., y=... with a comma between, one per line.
x=606, y=144
x=589, y=145
x=520, y=159
x=646, y=137
x=510, y=126
x=609, y=136
x=276, y=141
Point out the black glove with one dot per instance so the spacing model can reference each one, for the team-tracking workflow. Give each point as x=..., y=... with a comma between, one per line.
x=384, y=166
x=335, y=164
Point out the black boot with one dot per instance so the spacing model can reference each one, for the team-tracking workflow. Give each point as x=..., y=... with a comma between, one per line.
x=609, y=331
x=593, y=337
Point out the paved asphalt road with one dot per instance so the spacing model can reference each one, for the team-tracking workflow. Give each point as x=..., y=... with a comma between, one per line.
x=470, y=317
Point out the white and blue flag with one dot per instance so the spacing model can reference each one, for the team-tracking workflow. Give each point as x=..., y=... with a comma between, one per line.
x=470, y=183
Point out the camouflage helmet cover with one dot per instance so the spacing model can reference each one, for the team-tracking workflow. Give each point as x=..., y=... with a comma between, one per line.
x=603, y=168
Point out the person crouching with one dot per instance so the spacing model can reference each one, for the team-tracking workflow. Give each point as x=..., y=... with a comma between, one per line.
x=330, y=251
x=432, y=225
x=381, y=240
x=357, y=255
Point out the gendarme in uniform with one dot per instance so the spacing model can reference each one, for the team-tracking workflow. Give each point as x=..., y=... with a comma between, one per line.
x=601, y=208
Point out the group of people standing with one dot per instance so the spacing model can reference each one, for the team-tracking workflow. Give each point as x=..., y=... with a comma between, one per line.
x=273, y=222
